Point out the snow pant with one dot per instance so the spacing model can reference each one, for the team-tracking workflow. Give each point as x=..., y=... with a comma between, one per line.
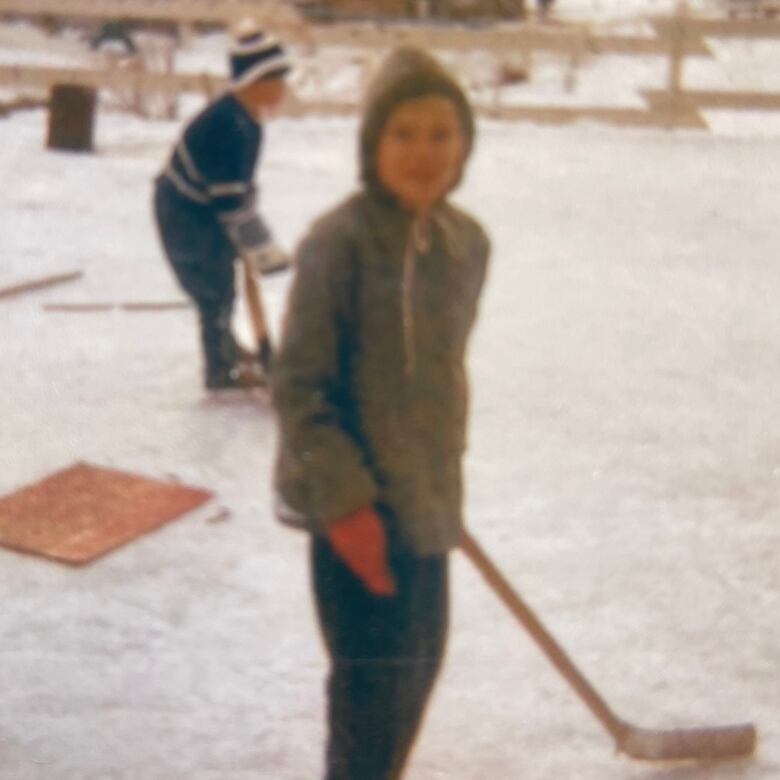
x=385, y=654
x=201, y=257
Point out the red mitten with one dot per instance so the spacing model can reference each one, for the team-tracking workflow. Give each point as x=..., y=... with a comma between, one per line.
x=359, y=540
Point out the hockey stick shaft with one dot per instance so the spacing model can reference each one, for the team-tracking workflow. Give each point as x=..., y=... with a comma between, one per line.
x=257, y=314
x=646, y=744
x=542, y=636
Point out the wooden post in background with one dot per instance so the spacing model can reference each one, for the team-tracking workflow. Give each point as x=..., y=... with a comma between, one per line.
x=71, y=117
x=676, y=55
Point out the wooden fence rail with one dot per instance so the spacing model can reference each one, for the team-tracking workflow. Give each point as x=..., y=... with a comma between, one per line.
x=42, y=78
x=178, y=11
x=674, y=38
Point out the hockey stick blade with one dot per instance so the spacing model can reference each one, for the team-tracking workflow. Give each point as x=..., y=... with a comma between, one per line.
x=702, y=744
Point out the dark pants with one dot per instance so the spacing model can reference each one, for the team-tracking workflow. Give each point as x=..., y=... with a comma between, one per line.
x=385, y=654
x=201, y=257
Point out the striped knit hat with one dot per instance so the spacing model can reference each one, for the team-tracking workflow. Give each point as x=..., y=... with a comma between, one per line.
x=256, y=55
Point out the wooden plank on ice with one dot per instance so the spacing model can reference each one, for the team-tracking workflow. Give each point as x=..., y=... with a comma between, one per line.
x=131, y=306
x=69, y=307
x=154, y=305
x=38, y=284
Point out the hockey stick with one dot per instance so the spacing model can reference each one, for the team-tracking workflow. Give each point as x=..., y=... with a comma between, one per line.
x=646, y=744
x=257, y=315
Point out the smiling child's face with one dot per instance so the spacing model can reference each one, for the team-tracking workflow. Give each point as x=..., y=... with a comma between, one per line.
x=421, y=151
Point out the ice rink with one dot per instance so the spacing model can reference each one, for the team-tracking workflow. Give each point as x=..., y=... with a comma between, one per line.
x=623, y=468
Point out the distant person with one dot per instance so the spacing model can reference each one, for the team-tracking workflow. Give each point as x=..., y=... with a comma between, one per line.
x=205, y=204
x=422, y=9
x=543, y=8
x=114, y=32
x=370, y=391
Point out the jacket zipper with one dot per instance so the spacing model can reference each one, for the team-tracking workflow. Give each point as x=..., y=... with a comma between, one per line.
x=418, y=242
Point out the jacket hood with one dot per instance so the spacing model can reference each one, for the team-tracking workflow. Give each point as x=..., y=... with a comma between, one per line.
x=407, y=73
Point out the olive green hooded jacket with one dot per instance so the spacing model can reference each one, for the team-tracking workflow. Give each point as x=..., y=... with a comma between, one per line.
x=369, y=383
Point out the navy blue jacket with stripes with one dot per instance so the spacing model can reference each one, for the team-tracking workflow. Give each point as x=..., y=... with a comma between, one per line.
x=213, y=165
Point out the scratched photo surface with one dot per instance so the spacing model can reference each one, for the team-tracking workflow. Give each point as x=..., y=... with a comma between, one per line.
x=622, y=472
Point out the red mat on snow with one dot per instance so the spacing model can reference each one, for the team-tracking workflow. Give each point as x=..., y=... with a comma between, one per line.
x=77, y=514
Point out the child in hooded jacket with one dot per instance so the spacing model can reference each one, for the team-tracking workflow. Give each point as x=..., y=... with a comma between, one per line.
x=370, y=390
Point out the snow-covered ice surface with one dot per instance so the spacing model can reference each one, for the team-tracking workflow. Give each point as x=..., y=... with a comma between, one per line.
x=624, y=464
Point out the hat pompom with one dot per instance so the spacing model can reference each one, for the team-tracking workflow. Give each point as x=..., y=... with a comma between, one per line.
x=246, y=28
